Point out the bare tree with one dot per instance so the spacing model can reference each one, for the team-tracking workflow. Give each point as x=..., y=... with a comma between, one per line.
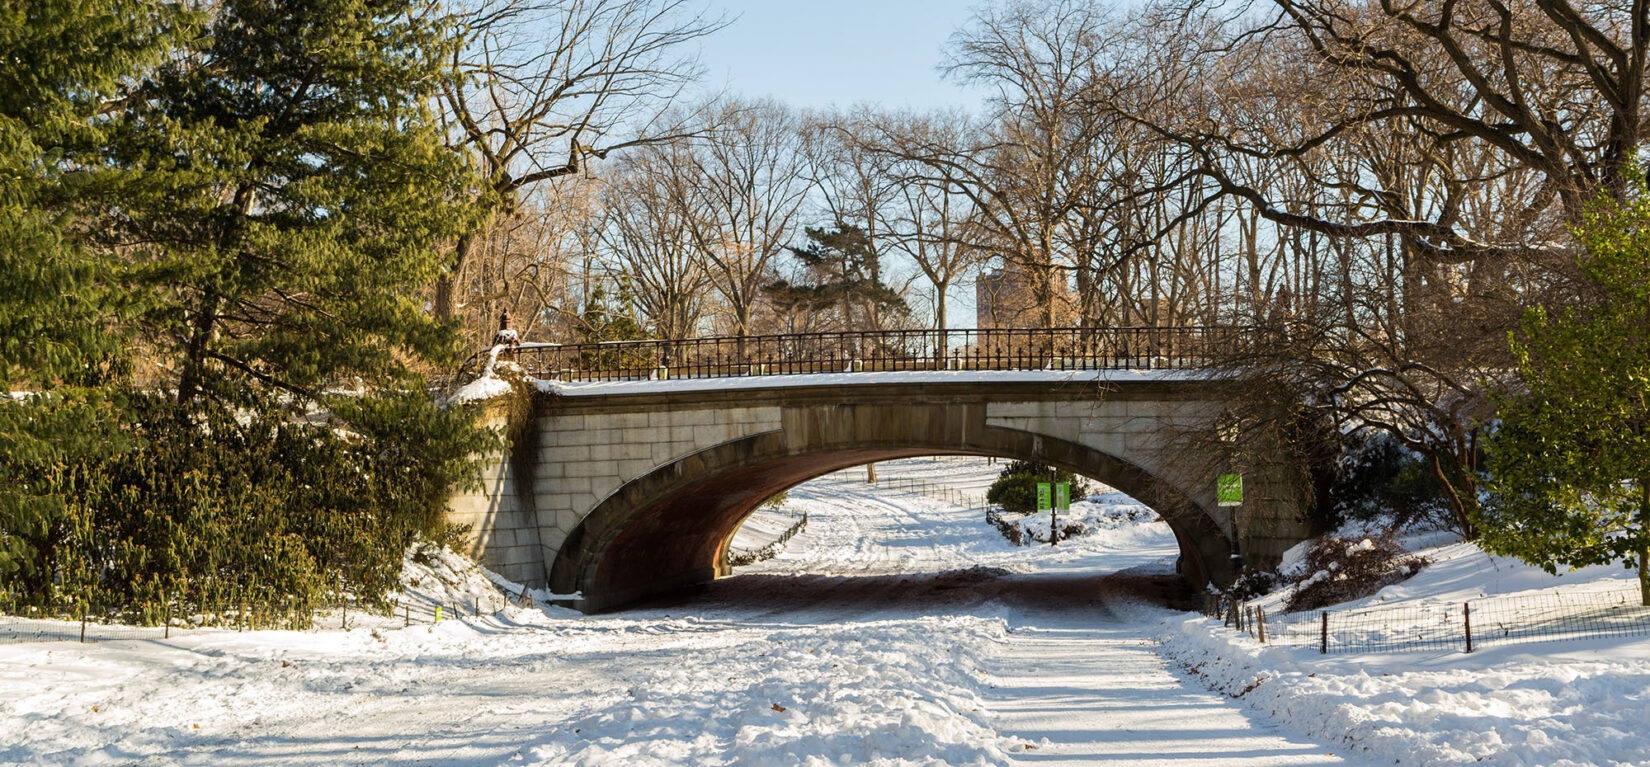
x=541, y=87
x=1022, y=167
x=930, y=222
x=650, y=232
x=856, y=186
x=1540, y=84
x=748, y=183
x=525, y=262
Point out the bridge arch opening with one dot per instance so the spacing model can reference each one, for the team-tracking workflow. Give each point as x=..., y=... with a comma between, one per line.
x=670, y=528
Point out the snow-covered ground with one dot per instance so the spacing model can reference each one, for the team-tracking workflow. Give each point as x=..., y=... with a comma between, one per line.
x=1547, y=704
x=895, y=630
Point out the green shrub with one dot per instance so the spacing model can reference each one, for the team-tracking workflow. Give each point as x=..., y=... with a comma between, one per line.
x=1015, y=489
x=211, y=513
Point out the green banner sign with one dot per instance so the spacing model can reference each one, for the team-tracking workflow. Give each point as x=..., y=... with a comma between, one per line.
x=1044, y=497
x=1062, y=496
x=1229, y=490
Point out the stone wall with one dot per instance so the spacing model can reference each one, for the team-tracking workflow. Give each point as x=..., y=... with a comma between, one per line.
x=504, y=532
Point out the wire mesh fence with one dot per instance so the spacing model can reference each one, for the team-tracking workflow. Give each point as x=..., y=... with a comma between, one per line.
x=933, y=490
x=740, y=557
x=1464, y=626
x=33, y=626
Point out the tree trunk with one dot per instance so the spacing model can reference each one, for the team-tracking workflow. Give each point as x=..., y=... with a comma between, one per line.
x=1644, y=550
x=448, y=283
x=870, y=474
x=200, y=335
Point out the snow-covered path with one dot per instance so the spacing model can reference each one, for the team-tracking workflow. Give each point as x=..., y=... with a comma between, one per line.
x=1097, y=693
x=895, y=630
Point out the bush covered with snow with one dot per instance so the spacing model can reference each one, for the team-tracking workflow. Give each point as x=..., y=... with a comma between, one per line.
x=1339, y=568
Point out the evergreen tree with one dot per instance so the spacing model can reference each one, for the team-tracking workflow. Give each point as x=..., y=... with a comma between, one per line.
x=64, y=66
x=1570, y=464
x=248, y=200
x=296, y=195
x=842, y=272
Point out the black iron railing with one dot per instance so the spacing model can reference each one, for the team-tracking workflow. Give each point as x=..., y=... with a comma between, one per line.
x=1132, y=348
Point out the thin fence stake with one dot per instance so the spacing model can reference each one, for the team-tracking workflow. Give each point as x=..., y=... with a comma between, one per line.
x=1466, y=619
x=1260, y=623
x=1323, y=634
x=406, y=615
x=83, y=624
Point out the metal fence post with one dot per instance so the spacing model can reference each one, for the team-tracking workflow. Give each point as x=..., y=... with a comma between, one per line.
x=1323, y=634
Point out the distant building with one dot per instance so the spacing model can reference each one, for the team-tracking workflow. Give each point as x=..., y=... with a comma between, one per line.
x=1004, y=298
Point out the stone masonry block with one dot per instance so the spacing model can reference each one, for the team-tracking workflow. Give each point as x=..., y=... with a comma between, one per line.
x=549, y=503
x=996, y=410
x=631, y=469
x=576, y=485
x=580, y=470
x=693, y=418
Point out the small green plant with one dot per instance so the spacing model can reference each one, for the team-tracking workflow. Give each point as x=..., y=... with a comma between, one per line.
x=1016, y=487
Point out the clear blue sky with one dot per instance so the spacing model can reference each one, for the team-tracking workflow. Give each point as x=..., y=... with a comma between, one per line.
x=816, y=53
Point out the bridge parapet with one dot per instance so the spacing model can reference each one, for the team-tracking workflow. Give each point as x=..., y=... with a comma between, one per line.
x=1118, y=348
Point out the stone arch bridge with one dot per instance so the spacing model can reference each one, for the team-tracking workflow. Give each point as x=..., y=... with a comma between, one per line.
x=622, y=490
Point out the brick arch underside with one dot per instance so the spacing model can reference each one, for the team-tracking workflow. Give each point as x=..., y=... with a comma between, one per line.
x=669, y=529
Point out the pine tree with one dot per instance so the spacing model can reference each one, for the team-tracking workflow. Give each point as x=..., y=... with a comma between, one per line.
x=1570, y=464
x=841, y=272
x=64, y=65
x=297, y=194
x=247, y=200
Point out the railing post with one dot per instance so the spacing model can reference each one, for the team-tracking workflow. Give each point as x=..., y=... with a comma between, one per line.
x=1323, y=634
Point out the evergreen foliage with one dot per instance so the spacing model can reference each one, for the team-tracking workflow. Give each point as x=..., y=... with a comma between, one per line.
x=843, y=273
x=59, y=337
x=212, y=512
x=293, y=196
x=1377, y=476
x=1570, y=464
x=210, y=223
x=1015, y=488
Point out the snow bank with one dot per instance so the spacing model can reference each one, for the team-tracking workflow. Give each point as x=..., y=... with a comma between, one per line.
x=1554, y=704
x=480, y=390
x=433, y=575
